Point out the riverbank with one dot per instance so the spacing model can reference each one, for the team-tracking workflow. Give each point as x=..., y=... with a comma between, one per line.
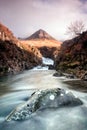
x=77, y=85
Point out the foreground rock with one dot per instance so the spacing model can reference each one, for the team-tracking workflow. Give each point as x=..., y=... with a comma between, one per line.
x=42, y=99
x=72, y=57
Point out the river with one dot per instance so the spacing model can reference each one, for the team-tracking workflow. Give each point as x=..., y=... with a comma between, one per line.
x=16, y=89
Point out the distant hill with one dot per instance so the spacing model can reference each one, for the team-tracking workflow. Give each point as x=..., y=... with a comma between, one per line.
x=40, y=34
x=73, y=55
x=14, y=55
x=44, y=42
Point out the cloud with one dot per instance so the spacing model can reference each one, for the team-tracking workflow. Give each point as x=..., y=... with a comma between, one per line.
x=24, y=17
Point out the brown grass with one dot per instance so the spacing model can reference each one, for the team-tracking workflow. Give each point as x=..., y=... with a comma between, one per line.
x=43, y=42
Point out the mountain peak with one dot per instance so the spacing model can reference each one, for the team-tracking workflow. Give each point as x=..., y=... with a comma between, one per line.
x=40, y=34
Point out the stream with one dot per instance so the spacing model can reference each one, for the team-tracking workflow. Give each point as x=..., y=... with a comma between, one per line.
x=17, y=89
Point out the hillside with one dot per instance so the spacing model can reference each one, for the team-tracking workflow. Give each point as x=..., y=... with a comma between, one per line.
x=40, y=34
x=15, y=56
x=44, y=42
x=73, y=55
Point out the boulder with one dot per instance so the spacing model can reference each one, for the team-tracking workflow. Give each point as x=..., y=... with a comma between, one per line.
x=44, y=99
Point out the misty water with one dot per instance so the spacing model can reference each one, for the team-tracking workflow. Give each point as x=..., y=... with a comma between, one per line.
x=17, y=89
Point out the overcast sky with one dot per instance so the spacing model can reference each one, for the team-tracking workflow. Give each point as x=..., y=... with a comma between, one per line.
x=24, y=17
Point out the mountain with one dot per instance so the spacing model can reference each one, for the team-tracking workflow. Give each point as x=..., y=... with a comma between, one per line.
x=44, y=42
x=40, y=34
x=72, y=57
x=14, y=55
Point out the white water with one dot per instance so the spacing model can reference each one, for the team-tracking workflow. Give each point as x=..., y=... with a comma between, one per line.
x=47, y=61
x=17, y=89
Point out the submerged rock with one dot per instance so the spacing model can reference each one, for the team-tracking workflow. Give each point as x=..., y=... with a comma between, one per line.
x=42, y=99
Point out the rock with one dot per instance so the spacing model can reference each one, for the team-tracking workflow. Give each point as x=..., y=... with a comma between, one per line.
x=58, y=74
x=47, y=51
x=69, y=76
x=51, y=67
x=84, y=76
x=42, y=99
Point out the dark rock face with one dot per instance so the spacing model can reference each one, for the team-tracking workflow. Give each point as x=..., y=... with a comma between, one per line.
x=48, y=51
x=72, y=57
x=15, y=56
x=42, y=99
x=13, y=59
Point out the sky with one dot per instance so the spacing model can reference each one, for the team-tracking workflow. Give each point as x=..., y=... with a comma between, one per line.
x=24, y=17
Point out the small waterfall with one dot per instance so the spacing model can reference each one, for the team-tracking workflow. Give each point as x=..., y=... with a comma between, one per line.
x=46, y=62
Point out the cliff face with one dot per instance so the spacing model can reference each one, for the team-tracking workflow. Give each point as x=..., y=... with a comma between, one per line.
x=72, y=57
x=14, y=55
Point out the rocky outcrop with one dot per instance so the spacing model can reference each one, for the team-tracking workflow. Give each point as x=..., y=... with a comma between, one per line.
x=5, y=33
x=42, y=99
x=14, y=59
x=14, y=55
x=48, y=51
x=72, y=57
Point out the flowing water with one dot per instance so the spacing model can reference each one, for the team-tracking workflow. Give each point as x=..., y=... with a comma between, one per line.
x=16, y=89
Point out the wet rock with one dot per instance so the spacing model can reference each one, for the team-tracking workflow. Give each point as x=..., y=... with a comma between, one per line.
x=69, y=76
x=84, y=76
x=58, y=74
x=51, y=67
x=42, y=99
